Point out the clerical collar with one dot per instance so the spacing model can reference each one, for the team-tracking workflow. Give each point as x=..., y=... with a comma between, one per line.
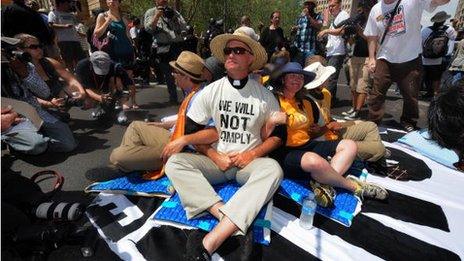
x=238, y=84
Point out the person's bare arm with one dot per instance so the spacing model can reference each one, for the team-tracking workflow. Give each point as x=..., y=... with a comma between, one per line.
x=53, y=103
x=336, y=32
x=372, y=46
x=103, y=21
x=93, y=95
x=152, y=20
x=68, y=77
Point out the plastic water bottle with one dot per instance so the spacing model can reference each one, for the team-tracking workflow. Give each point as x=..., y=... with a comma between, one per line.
x=307, y=212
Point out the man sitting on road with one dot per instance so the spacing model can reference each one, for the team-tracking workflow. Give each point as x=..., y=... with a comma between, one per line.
x=144, y=144
x=239, y=106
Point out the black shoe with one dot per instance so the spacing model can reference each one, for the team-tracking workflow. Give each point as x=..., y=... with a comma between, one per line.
x=195, y=251
x=409, y=127
x=103, y=173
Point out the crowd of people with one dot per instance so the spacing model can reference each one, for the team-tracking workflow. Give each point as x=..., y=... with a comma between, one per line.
x=247, y=95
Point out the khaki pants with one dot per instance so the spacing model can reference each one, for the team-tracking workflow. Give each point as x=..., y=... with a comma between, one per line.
x=192, y=176
x=140, y=148
x=367, y=138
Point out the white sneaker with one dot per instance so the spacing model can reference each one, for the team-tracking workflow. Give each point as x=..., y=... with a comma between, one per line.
x=352, y=116
x=350, y=111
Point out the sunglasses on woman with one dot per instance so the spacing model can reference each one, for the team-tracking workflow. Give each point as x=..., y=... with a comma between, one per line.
x=34, y=46
x=236, y=50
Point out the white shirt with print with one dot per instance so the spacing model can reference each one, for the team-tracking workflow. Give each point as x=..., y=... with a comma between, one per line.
x=426, y=31
x=238, y=114
x=403, y=40
x=64, y=34
x=336, y=43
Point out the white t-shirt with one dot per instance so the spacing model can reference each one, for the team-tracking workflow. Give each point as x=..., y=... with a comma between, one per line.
x=64, y=34
x=403, y=40
x=426, y=31
x=238, y=114
x=336, y=44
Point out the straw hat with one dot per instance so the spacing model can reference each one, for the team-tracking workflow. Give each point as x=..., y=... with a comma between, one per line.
x=190, y=64
x=219, y=42
x=439, y=17
x=322, y=74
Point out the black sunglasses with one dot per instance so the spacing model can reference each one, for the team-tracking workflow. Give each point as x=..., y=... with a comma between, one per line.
x=236, y=50
x=34, y=46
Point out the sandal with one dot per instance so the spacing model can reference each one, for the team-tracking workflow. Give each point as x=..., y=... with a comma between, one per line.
x=324, y=194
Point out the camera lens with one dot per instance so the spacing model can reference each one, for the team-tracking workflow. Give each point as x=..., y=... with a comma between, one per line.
x=59, y=211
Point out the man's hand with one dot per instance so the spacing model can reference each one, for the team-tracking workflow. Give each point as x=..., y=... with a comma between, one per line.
x=106, y=98
x=222, y=161
x=294, y=28
x=321, y=34
x=173, y=147
x=57, y=102
x=241, y=160
x=334, y=126
x=159, y=13
x=371, y=65
x=9, y=118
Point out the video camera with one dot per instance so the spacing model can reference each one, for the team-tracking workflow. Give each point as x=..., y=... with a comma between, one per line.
x=11, y=52
x=350, y=24
x=215, y=28
x=168, y=12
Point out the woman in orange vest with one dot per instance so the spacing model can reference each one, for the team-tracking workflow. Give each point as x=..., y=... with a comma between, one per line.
x=302, y=156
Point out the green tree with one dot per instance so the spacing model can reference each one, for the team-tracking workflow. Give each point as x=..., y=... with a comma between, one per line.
x=198, y=12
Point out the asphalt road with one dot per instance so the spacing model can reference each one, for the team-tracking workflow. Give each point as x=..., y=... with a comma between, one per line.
x=96, y=141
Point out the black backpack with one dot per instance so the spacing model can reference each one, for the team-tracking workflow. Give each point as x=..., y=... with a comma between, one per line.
x=436, y=44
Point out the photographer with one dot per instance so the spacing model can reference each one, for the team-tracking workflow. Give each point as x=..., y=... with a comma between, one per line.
x=336, y=49
x=166, y=25
x=21, y=81
x=62, y=94
x=308, y=24
x=104, y=82
x=360, y=82
x=215, y=28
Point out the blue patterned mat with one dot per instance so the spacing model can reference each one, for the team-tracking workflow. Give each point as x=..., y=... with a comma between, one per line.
x=345, y=204
x=134, y=184
x=172, y=211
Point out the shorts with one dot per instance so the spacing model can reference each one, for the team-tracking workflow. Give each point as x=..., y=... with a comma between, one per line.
x=359, y=75
x=433, y=72
x=289, y=158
